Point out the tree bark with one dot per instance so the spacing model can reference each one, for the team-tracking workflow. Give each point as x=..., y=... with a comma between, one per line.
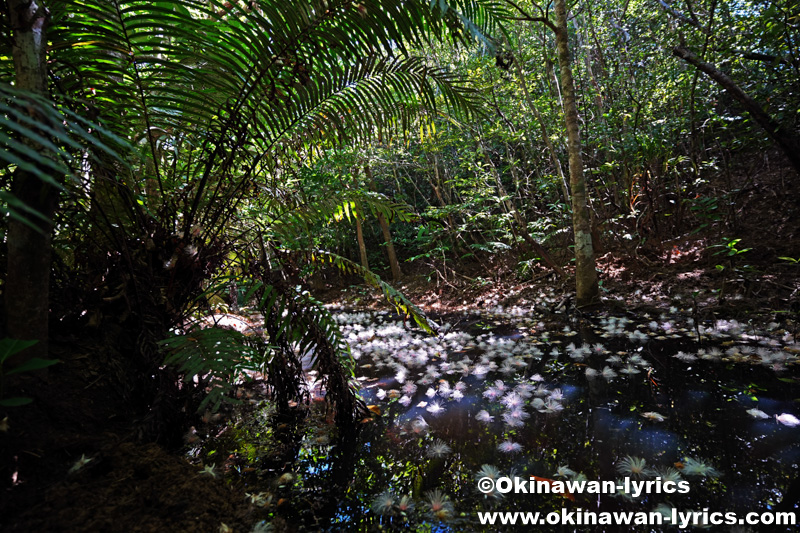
x=362, y=248
x=29, y=246
x=586, y=284
x=786, y=140
x=397, y=274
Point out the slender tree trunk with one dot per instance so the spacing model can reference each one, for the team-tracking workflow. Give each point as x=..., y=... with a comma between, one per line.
x=362, y=248
x=29, y=248
x=437, y=185
x=397, y=274
x=543, y=129
x=587, y=289
x=786, y=140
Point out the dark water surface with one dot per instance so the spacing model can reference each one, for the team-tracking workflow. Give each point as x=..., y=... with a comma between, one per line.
x=513, y=392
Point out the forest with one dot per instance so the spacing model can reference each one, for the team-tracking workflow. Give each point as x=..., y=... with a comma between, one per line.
x=356, y=265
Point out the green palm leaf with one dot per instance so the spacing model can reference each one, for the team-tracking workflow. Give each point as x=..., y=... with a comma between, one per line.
x=401, y=303
x=49, y=142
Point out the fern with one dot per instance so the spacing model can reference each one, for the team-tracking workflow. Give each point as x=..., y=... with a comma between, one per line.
x=216, y=358
x=214, y=100
x=302, y=333
x=62, y=134
x=401, y=303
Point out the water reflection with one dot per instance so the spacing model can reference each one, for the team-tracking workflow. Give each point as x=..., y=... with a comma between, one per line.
x=597, y=399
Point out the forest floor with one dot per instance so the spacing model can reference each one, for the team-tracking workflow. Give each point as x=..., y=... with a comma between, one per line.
x=130, y=486
x=72, y=463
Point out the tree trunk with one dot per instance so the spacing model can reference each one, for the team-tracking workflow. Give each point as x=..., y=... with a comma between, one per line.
x=359, y=215
x=397, y=274
x=543, y=129
x=362, y=248
x=786, y=140
x=29, y=248
x=587, y=289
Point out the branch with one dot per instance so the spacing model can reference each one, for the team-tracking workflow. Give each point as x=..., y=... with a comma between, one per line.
x=786, y=139
x=757, y=56
x=683, y=18
x=530, y=18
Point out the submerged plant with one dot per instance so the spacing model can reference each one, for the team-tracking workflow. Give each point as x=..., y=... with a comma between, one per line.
x=439, y=505
x=438, y=449
x=698, y=467
x=634, y=467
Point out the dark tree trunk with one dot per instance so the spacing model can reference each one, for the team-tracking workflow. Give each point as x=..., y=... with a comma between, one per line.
x=786, y=140
x=29, y=248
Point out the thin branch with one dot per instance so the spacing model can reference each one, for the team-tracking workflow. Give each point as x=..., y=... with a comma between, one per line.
x=530, y=18
x=692, y=21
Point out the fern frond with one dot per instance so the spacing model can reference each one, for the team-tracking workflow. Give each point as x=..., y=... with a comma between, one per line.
x=401, y=303
x=61, y=138
x=216, y=357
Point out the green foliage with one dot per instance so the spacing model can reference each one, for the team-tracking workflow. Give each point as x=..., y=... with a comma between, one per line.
x=216, y=358
x=401, y=303
x=60, y=135
x=728, y=247
x=180, y=129
x=707, y=210
x=9, y=347
x=299, y=334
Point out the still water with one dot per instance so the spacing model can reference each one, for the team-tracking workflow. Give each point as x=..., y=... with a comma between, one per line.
x=512, y=392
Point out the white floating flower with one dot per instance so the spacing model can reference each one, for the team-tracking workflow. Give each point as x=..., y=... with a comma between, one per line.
x=435, y=408
x=788, y=419
x=509, y=446
x=757, y=413
x=484, y=416
x=656, y=417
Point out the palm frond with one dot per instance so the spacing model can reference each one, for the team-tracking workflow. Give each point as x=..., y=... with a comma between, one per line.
x=259, y=77
x=51, y=142
x=401, y=303
x=311, y=339
x=216, y=358
x=289, y=222
x=302, y=335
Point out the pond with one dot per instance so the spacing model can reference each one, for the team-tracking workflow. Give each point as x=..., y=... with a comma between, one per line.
x=709, y=406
